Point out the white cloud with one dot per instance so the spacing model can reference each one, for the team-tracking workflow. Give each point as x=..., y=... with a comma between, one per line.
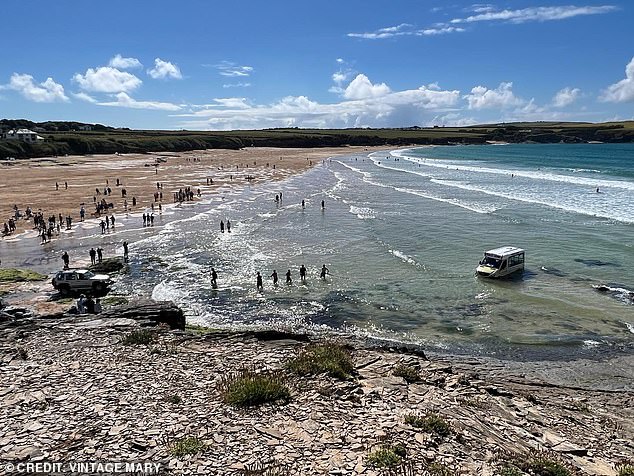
x=535, y=14
x=120, y=62
x=387, y=32
x=106, y=79
x=236, y=85
x=441, y=30
x=164, y=70
x=340, y=60
x=566, y=97
x=368, y=104
x=498, y=98
x=124, y=100
x=452, y=119
x=623, y=91
x=405, y=29
x=47, y=91
x=361, y=88
x=232, y=70
x=85, y=97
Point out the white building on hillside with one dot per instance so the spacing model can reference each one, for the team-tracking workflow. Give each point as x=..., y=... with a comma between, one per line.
x=24, y=135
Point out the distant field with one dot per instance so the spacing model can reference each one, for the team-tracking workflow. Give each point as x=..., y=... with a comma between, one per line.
x=108, y=140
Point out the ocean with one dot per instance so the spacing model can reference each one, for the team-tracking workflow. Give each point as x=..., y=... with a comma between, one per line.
x=402, y=233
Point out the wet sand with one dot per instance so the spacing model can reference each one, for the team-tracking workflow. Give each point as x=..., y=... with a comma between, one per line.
x=32, y=182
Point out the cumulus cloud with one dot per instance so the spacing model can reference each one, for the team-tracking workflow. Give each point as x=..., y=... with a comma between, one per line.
x=120, y=62
x=623, y=91
x=498, y=98
x=566, y=96
x=85, y=97
x=366, y=105
x=107, y=79
x=486, y=13
x=164, y=70
x=361, y=88
x=232, y=70
x=47, y=91
x=124, y=100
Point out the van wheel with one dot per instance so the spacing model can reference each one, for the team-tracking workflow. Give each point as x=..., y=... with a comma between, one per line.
x=98, y=287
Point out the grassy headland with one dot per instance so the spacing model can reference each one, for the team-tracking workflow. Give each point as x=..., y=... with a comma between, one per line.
x=64, y=137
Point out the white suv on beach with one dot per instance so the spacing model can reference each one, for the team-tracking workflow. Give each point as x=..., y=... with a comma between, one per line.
x=81, y=281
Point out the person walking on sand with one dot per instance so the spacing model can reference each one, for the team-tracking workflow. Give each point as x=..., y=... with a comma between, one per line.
x=302, y=273
x=125, y=251
x=324, y=272
x=92, y=255
x=259, y=282
x=65, y=259
x=214, y=278
x=288, y=277
x=274, y=276
x=99, y=255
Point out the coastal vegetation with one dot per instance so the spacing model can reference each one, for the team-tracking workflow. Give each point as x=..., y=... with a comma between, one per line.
x=189, y=445
x=387, y=456
x=140, y=337
x=62, y=138
x=13, y=275
x=248, y=388
x=431, y=423
x=407, y=372
x=329, y=358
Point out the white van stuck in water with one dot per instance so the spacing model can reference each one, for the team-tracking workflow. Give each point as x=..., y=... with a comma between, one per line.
x=501, y=262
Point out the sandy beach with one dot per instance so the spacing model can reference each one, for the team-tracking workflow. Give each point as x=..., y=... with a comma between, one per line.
x=32, y=183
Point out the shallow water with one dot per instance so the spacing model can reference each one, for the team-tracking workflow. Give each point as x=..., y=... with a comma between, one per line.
x=401, y=234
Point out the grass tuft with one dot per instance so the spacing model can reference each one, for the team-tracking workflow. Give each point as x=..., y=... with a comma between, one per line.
x=13, y=275
x=431, y=423
x=387, y=457
x=190, y=445
x=409, y=373
x=332, y=359
x=140, y=337
x=625, y=468
x=248, y=388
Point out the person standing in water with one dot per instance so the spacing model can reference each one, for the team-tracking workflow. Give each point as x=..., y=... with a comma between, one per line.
x=274, y=276
x=228, y=226
x=259, y=282
x=222, y=226
x=303, y=203
x=324, y=272
x=288, y=277
x=214, y=278
x=323, y=204
x=125, y=251
x=302, y=273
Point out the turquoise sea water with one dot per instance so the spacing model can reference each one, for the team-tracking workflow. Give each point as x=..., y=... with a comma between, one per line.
x=402, y=233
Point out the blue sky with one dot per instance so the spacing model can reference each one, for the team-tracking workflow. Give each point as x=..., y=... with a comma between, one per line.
x=197, y=64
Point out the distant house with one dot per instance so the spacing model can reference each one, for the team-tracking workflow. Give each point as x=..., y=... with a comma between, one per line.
x=85, y=127
x=23, y=135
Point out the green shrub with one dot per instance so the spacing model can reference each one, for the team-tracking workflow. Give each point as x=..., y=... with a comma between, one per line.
x=187, y=446
x=387, y=456
x=140, y=337
x=508, y=470
x=13, y=275
x=409, y=373
x=625, y=468
x=247, y=388
x=332, y=359
x=543, y=464
x=431, y=423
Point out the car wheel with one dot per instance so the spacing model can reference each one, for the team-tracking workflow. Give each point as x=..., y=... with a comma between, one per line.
x=98, y=287
x=64, y=290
